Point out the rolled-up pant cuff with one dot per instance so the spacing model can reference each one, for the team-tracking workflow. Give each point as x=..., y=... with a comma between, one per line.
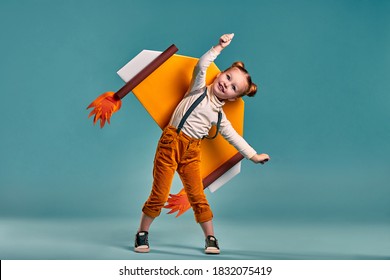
x=204, y=217
x=151, y=213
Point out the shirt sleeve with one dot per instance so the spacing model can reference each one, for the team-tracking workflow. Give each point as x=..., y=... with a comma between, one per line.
x=235, y=139
x=198, y=80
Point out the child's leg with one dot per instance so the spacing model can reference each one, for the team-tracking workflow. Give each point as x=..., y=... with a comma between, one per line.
x=163, y=172
x=208, y=228
x=189, y=171
x=145, y=223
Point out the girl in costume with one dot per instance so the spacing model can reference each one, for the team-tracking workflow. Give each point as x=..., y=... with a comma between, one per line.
x=179, y=146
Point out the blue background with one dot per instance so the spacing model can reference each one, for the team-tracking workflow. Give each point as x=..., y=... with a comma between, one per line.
x=322, y=110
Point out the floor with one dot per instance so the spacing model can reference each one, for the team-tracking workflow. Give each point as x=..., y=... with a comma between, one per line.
x=170, y=238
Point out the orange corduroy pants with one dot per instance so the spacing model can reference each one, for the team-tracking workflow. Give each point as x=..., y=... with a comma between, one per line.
x=181, y=153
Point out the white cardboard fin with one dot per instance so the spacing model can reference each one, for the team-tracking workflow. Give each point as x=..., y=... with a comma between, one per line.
x=139, y=62
x=228, y=175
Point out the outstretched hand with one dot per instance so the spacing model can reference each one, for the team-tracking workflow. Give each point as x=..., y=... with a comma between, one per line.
x=260, y=158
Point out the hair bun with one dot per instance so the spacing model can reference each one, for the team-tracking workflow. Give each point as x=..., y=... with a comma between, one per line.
x=238, y=64
x=252, y=90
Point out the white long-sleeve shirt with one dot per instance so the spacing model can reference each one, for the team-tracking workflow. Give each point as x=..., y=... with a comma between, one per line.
x=205, y=114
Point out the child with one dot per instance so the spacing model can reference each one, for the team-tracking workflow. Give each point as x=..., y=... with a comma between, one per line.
x=179, y=146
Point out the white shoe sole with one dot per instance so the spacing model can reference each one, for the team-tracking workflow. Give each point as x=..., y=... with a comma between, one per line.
x=212, y=250
x=142, y=249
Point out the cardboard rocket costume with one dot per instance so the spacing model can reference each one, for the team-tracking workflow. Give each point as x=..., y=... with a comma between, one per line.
x=159, y=80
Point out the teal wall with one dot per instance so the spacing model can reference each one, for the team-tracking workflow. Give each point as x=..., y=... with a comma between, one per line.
x=322, y=112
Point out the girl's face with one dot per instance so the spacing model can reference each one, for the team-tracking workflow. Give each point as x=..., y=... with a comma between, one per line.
x=230, y=84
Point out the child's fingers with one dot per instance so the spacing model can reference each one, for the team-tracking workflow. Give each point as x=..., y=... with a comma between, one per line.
x=227, y=37
x=267, y=158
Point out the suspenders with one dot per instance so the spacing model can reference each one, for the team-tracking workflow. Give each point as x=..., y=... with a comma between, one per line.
x=189, y=111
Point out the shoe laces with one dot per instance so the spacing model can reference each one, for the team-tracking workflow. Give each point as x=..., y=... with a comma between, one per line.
x=211, y=241
x=142, y=238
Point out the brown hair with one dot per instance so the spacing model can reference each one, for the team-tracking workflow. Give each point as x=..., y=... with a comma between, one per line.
x=252, y=87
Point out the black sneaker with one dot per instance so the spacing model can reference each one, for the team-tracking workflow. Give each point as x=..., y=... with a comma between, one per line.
x=141, y=242
x=211, y=245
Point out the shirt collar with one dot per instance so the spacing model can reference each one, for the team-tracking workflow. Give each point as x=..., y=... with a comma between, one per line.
x=214, y=100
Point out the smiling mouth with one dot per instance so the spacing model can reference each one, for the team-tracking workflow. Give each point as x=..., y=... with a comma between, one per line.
x=221, y=88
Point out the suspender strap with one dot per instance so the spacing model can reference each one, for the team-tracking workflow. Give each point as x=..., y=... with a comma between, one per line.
x=218, y=125
x=189, y=111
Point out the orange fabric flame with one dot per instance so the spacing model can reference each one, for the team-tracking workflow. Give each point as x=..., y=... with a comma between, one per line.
x=178, y=202
x=104, y=106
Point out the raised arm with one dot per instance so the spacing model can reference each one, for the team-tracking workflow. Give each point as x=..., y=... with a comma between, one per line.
x=224, y=41
x=199, y=75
